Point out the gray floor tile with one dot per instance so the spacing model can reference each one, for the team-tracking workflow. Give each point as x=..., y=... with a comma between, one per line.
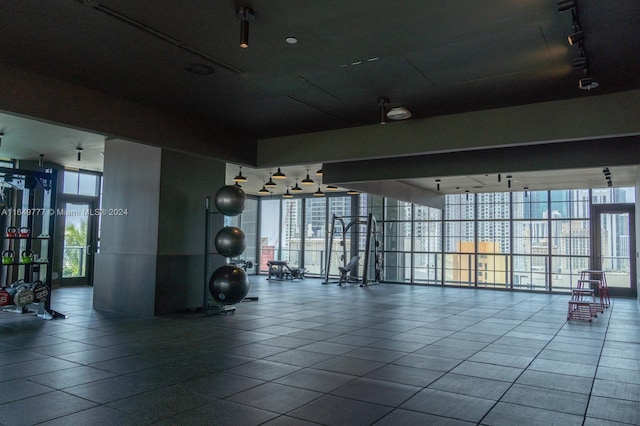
x=471, y=386
x=15, y=390
x=317, y=380
x=346, y=365
x=556, y=381
x=40, y=408
x=333, y=410
x=411, y=418
x=275, y=397
x=263, y=370
x=224, y=412
x=427, y=362
x=101, y=415
x=376, y=391
x=450, y=405
x=547, y=399
x=619, y=390
x=617, y=410
x=563, y=367
x=517, y=361
x=406, y=375
x=505, y=414
x=488, y=371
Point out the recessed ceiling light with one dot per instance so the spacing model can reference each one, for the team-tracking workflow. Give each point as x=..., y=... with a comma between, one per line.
x=291, y=40
x=375, y=58
x=200, y=69
x=356, y=63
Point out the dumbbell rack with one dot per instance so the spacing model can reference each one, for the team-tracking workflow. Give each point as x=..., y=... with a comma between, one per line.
x=36, y=235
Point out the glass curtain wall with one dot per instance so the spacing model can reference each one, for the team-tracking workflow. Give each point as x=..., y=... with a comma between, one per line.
x=525, y=240
x=247, y=221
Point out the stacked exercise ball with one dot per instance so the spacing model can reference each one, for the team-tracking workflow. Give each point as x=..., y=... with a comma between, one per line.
x=229, y=284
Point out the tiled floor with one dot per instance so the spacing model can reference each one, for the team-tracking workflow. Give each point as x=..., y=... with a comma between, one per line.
x=308, y=353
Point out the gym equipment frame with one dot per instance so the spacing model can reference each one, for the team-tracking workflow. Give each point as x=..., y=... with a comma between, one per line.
x=347, y=269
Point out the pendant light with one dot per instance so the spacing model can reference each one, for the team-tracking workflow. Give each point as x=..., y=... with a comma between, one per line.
x=352, y=192
x=318, y=193
x=307, y=180
x=296, y=188
x=332, y=188
x=270, y=183
x=279, y=175
x=287, y=194
x=239, y=178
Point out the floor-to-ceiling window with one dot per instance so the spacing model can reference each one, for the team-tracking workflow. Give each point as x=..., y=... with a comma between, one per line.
x=523, y=240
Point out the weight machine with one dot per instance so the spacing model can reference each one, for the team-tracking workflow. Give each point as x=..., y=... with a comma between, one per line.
x=349, y=263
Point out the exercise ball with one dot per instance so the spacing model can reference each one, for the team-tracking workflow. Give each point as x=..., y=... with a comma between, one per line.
x=229, y=284
x=230, y=200
x=230, y=241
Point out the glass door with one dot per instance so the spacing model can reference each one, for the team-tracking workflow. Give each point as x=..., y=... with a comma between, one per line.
x=79, y=243
x=614, y=246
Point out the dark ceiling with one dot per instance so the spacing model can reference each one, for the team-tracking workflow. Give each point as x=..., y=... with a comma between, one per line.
x=434, y=57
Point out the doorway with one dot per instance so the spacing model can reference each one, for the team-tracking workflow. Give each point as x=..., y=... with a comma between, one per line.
x=613, y=247
x=79, y=246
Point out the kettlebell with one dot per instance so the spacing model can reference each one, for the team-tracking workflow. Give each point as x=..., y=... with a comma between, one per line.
x=7, y=257
x=12, y=232
x=27, y=256
x=24, y=232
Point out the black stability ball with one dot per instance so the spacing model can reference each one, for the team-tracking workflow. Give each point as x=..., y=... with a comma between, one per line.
x=230, y=241
x=230, y=200
x=229, y=284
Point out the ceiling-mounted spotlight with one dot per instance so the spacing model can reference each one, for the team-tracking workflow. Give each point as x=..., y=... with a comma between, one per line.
x=270, y=183
x=319, y=172
x=318, y=193
x=40, y=160
x=564, y=5
x=244, y=14
x=526, y=191
x=587, y=83
x=296, y=188
x=382, y=101
x=239, y=177
x=399, y=113
x=79, y=150
x=307, y=180
x=499, y=177
x=438, y=185
x=279, y=175
x=575, y=38
x=509, y=177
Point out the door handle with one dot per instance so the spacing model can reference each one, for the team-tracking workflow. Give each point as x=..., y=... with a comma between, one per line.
x=88, y=249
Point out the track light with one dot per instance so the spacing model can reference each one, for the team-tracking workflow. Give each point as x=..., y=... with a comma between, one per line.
x=564, y=5
x=307, y=180
x=587, y=83
x=575, y=38
x=240, y=178
x=244, y=14
x=318, y=193
x=270, y=183
x=279, y=175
